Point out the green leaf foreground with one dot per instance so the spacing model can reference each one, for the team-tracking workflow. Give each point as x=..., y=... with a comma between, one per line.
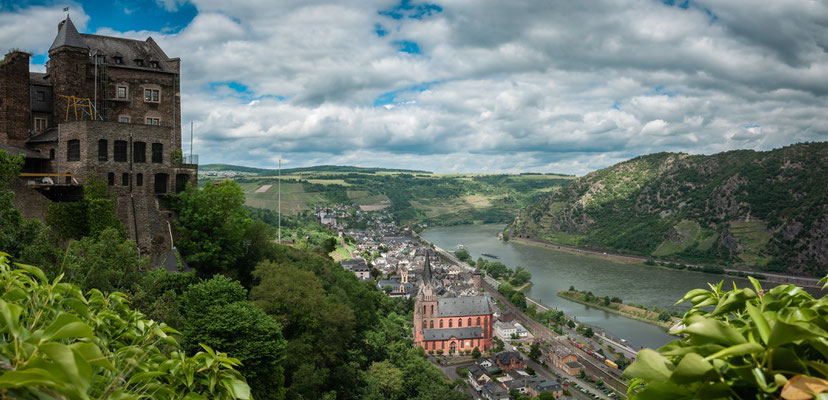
x=741, y=344
x=57, y=343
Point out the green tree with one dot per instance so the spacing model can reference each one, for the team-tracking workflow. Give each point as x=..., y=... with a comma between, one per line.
x=588, y=332
x=606, y=301
x=462, y=255
x=475, y=353
x=570, y=324
x=57, y=342
x=535, y=351
x=387, y=289
x=88, y=217
x=385, y=381
x=212, y=224
x=217, y=313
x=107, y=262
x=743, y=343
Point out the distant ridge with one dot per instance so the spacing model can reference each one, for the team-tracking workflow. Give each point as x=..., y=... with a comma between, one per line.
x=765, y=210
x=318, y=168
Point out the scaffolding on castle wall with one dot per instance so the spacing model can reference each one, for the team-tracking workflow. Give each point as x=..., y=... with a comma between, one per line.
x=79, y=104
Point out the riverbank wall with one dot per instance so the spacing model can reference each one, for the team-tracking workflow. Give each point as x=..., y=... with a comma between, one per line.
x=607, y=255
x=634, y=312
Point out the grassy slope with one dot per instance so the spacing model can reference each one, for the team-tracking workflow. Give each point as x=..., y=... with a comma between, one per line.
x=765, y=210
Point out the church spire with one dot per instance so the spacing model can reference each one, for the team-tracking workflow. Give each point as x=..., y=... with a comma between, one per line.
x=427, y=269
x=68, y=36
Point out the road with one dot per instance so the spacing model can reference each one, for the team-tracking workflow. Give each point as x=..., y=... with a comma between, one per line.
x=542, y=332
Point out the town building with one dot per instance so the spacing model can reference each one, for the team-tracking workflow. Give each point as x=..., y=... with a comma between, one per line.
x=106, y=108
x=563, y=359
x=450, y=325
x=509, y=360
x=359, y=267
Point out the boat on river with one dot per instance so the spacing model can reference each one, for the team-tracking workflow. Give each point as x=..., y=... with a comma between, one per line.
x=490, y=256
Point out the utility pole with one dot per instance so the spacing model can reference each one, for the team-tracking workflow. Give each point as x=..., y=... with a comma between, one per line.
x=280, y=199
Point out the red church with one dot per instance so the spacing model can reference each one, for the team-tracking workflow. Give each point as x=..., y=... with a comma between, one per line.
x=450, y=324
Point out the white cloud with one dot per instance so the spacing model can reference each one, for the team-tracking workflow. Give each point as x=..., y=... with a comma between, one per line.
x=500, y=86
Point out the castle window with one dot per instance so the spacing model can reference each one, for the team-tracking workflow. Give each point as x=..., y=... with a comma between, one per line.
x=41, y=95
x=139, y=62
x=157, y=153
x=40, y=124
x=153, y=121
x=139, y=180
x=103, y=151
x=118, y=60
x=154, y=64
x=100, y=59
x=124, y=120
x=161, y=183
x=139, y=152
x=125, y=179
x=73, y=150
x=122, y=92
x=51, y=154
x=110, y=178
x=151, y=95
x=120, y=151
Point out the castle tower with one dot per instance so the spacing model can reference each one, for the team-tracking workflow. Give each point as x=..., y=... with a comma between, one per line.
x=67, y=67
x=425, y=309
x=14, y=98
x=477, y=279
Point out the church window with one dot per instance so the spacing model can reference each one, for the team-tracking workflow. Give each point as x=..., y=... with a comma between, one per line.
x=424, y=324
x=469, y=324
x=432, y=310
x=450, y=324
x=441, y=324
x=478, y=321
x=459, y=322
x=431, y=325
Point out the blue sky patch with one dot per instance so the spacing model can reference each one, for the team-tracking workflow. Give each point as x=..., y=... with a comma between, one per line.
x=390, y=97
x=413, y=11
x=379, y=30
x=406, y=46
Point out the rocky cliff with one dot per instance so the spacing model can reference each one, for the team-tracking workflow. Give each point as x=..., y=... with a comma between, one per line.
x=761, y=210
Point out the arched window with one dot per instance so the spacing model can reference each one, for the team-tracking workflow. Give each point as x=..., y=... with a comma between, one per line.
x=469, y=324
x=110, y=178
x=450, y=324
x=432, y=309
x=478, y=321
x=431, y=325
x=459, y=322
x=424, y=324
x=441, y=324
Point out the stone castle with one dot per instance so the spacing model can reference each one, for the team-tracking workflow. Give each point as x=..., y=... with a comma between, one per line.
x=107, y=108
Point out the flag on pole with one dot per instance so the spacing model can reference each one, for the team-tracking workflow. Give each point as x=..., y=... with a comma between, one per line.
x=65, y=9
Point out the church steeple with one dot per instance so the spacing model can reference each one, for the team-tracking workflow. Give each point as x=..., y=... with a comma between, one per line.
x=68, y=36
x=426, y=291
x=427, y=268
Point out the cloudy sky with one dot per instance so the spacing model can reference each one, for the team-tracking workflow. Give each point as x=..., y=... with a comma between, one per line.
x=461, y=85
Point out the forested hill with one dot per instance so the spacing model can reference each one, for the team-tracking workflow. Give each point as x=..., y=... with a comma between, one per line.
x=763, y=210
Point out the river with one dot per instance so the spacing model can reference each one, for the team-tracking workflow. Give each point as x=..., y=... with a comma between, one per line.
x=554, y=271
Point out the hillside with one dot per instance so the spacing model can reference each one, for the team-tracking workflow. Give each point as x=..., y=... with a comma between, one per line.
x=413, y=196
x=760, y=210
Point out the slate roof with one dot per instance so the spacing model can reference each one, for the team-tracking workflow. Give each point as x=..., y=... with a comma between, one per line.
x=39, y=78
x=574, y=365
x=68, y=36
x=463, y=306
x=50, y=135
x=16, y=151
x=547, y=386
x=505, y=357
x=356, y=264
x=129, y=50
x=447, y=333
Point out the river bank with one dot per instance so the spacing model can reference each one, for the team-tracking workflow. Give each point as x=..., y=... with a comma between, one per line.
x=610, y=256
x=624, y=310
